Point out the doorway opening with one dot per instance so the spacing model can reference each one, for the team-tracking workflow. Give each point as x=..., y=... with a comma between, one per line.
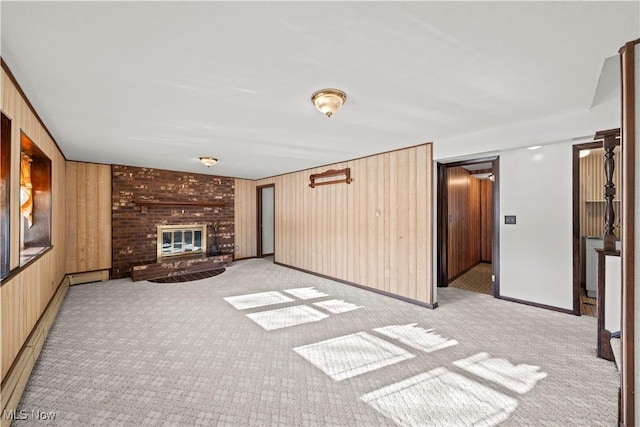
x=468, y=225
x=266, y=221
x=588, y=221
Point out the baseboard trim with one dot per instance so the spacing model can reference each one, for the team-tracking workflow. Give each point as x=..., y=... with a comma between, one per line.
x=535, y=304
x=366, y=288
x=88, y=277
x=243, y=258
x=15, y=382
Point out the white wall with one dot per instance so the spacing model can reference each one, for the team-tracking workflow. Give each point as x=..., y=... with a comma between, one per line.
x=536, y=255
x=613, y=293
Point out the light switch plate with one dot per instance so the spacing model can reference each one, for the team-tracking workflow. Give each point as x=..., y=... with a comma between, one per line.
x=509, y=219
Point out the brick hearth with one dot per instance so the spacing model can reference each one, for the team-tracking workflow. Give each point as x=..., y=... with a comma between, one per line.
x=145, y=270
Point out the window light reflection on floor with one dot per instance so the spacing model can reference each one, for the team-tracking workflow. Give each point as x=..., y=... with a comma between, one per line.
x=520, y=378
x=305, y=293
x=439, y=396
x=336, y=306
x=261, y=299
x=351, y=355
x=286, y=317
x=425, y=340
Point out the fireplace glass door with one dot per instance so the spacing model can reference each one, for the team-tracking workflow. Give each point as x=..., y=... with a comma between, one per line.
x=181, y=241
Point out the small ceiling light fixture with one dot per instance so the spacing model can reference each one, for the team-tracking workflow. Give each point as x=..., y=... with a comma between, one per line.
x=208, y=161
x=584, y=153
x=328, y=101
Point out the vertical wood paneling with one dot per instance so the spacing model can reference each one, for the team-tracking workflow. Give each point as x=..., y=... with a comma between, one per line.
x=474, y=221
x=245, y=218
x=88, y=217
x=464, y=211
x=457, y=190
x=24, y=296
x=374, y=232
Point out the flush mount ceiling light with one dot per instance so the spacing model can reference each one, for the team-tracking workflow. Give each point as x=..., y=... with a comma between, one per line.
x=208, y=161
x=328, y=101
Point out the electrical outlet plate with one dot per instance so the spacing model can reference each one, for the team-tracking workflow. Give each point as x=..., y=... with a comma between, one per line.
x=509, y=219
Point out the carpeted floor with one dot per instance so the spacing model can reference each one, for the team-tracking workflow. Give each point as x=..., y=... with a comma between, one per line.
x=478, y=279
x=265, y=345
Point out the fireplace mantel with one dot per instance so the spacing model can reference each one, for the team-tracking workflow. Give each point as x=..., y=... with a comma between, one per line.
x=160, y=203
x=146, y=204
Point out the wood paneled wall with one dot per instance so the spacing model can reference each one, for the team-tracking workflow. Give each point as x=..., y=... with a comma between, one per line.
x=88, y=217
x=592, y=193
x=486, y=220
x=26, y=294
x=245, y=219
x=463, y=193
x=374, y=232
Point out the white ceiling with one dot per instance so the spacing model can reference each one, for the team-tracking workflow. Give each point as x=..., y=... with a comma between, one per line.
x=158, y=84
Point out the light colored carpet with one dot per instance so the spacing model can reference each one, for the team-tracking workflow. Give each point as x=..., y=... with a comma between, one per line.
x=265, y=345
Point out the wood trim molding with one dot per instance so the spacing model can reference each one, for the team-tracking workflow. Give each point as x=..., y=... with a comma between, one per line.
x=535, y=304
x=627, y=380
x=5, y=67
x=442, y=265
x=367, y=288
x=495, y=257
x=442, y=221
x=488, y=159
x=575, y=208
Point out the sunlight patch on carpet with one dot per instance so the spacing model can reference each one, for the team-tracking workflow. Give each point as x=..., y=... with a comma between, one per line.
x=440, y=397
x=261, y=299
x=415, y=337
x=351, y=355
x=337, y=306
x=286, y=317
x=306, y=293
x=520, y=378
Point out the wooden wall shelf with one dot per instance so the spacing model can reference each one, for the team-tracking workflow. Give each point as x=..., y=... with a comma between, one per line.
x=319, y=178
x=144, y=204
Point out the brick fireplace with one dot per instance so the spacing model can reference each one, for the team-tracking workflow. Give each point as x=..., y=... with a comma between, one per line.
x=144, y=199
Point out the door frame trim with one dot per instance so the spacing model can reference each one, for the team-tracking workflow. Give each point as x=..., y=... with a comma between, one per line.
x=442, y=223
